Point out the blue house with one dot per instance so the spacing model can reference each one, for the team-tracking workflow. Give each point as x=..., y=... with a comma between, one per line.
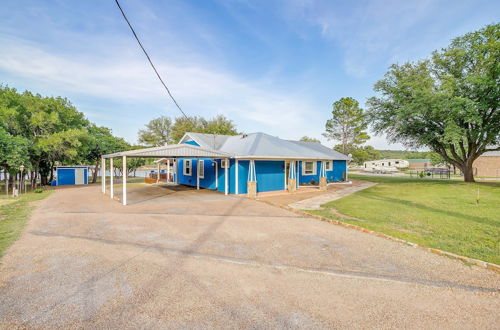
x=272, y=163
x=240, y=164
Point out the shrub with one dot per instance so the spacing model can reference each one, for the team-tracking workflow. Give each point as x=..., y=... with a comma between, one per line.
x=38, y=190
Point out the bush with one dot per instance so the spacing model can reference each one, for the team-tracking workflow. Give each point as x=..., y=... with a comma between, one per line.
x=38, y=190
x=313, y=182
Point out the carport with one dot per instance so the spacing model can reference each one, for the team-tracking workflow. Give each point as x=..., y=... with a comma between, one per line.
x=170, y=152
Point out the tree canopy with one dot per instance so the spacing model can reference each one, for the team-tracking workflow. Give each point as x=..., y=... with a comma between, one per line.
x=162, y=130
x=157, y=132
x=448, y=103
x=41, y=132
x=347, y=125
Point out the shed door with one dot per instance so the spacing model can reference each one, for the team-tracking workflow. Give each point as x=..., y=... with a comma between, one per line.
x=79, y=176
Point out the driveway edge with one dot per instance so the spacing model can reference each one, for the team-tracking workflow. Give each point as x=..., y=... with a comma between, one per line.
x=477, y=262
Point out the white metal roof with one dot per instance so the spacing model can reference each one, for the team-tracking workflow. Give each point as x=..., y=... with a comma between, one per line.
x=172, y=151
x=264, y=146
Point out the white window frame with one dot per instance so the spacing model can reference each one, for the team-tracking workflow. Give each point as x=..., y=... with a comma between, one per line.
x=223, y=163
x=315, y=164
x=329, y=165
x=185, y=167
x=201, y=168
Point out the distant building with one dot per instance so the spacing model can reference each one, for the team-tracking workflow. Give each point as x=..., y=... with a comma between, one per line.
x=419, y=163
x=488, y=164
x=388, y=165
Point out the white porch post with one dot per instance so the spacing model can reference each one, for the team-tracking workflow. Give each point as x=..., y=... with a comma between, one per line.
x=298, y=174
x=284, y=172
x=176, y=174
x=236, y=178
x=216, y=176
x=226, y=179
x=103, y=175
x=168, y=171
x=124, y=198
x=111, y=177
x=197, y=174
x=158, y=172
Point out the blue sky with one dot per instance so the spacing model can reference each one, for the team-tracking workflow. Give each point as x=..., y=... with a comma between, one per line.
x=271, y=66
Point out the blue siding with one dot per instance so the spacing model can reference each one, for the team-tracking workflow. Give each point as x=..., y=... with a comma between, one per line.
x=270, y=175
x=65, y=176
x=231, y=176
x=208, y=181
x=309, y=178
x=86, y=176
x=336, y=174
x=339, y=170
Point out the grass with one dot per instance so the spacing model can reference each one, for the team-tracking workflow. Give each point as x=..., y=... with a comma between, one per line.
x=441, y=214
x=14, y=214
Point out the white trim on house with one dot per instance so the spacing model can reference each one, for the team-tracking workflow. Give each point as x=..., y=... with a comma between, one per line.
x=314, y=168
x=201, y=168
x=186, y=166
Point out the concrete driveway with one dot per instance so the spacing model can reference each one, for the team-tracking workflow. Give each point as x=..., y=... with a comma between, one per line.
x=180, y=258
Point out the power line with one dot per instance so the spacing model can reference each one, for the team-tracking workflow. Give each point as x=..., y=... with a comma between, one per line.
x=149, y=59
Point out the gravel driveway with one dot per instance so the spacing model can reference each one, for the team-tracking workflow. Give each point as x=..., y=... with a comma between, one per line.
x=180, y=258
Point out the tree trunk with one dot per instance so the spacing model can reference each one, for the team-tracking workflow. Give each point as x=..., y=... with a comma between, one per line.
x=51, y=172
x=96, y=168
x=468, y=171
x=6, y=173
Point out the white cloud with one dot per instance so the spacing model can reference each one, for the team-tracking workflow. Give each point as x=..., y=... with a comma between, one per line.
x=128, y=79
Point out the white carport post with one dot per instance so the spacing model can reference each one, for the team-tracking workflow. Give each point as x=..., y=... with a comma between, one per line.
x=103, y=175
x=124, y=197
x=226, y=179
x=111, y=177
x=168, y=170
x=236, y=178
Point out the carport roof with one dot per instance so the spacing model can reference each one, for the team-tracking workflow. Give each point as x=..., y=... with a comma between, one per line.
x=171, y=151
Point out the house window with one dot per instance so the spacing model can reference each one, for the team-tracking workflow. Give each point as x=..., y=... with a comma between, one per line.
x=224, y=163
x=201, y=168
x=389, y=163
x=309, y=168
x=329, y=166
x=187, y=167
x=397, y=161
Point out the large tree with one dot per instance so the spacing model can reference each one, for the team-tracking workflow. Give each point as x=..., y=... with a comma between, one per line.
x=448, y=103
x=347, y=125
x=158, y=132
x=217, y=125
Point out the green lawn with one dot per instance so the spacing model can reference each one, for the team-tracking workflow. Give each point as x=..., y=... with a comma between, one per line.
x=13, y=216
x=442, y=214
